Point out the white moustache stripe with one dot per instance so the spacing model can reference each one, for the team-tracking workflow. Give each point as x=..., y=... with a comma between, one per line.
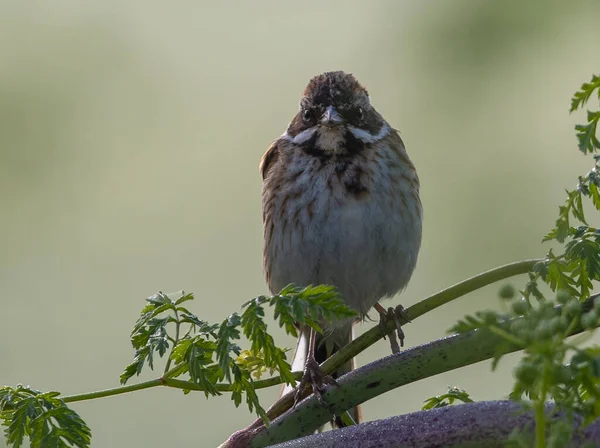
x=301, y=137
x=360, y=134
x=369, y=138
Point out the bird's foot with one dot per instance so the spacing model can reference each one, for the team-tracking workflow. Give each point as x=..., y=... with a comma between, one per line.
x=318, y=380
x=399, y=317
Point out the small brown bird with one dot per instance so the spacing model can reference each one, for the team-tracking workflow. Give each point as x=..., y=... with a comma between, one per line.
x=341, y=207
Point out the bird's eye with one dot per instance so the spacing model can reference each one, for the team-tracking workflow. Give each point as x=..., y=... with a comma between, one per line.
x=354, y=114
x=308, y=115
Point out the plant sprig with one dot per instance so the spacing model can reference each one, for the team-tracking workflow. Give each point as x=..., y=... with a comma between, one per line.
x=206, y=353
x=586, y=133
x=554, y=368
x=209, y=353
x=42, y=417
x=447, y=399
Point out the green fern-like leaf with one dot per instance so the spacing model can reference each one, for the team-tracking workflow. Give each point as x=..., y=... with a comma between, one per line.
x=582, y=96
x=586, y=133
x=42, y=417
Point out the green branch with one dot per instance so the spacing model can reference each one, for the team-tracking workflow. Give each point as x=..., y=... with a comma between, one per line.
x=428, y=304
x=379, y=377
x=470, y=285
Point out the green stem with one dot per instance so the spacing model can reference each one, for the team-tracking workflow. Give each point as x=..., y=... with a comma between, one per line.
x=177, y=324
x=428, y=304
x=222, y=387
x=111, y=392
x=347, y=419
x=173, y=371
x=506, y=335
x=169, y=382
x=470, y=285
x=574, y=324
x=540, y=414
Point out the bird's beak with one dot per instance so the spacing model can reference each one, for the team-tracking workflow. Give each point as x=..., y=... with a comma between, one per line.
x=331, y=117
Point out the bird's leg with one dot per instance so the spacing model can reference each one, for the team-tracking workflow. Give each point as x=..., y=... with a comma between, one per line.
x=313, y=374
x=397, y=315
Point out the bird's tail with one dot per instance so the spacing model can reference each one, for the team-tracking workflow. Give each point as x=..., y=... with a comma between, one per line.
x=325, y=346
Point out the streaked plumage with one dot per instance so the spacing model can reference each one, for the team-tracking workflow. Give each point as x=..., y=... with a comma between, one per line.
x=340, y=203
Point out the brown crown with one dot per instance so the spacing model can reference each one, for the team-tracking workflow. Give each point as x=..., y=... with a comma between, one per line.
x=334, y=88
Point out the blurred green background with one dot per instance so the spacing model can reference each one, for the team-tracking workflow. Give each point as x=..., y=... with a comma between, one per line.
x=130, y=136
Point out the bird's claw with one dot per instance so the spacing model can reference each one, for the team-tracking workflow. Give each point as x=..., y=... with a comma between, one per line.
x=318, y=380
x=399, y=317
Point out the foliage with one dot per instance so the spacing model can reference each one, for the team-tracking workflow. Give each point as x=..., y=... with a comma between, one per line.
x=209, y=353
x=204, y=354
x=440, y=401
x=586, y=133
x=554, y=367
x=42, y=417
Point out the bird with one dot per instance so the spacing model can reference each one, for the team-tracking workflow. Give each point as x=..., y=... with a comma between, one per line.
x=340, y=206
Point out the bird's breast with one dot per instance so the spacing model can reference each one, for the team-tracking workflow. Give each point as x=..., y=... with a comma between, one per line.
x=344, y=223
